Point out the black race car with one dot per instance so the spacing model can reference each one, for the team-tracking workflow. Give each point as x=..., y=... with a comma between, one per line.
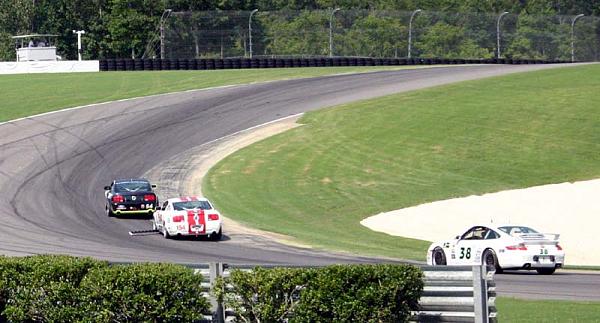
x=130, y=196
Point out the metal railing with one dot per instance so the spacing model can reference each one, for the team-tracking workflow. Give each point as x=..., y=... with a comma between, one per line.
x=450, y=294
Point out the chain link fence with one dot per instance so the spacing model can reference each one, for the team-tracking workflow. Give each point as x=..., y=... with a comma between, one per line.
x=369, y=33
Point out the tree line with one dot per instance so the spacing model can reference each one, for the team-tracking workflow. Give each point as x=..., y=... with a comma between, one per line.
x=377, y=28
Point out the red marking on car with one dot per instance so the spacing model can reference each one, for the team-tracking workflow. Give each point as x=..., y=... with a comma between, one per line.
x=196, y=218
x=193, y=198
x=178, y=218
x=184, y=199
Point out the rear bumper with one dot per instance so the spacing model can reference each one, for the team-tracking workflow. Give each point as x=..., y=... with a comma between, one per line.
x=174, y=230
x=531, y=261
x=133, y=208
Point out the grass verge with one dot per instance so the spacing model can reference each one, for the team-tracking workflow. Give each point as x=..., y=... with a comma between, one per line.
x=519, y=310
x=316, y=182
x=28, y=94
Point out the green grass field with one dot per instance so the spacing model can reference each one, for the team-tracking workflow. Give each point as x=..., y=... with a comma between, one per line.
x=29, y=94
x=518, y=310
x=316, y=182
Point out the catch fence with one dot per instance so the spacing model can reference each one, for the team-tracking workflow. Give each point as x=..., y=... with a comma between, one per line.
x=377, y=34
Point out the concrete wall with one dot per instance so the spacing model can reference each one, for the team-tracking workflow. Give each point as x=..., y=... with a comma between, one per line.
x=49, y=67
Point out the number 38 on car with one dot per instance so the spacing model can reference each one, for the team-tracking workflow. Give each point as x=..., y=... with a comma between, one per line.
x=502, y=247
x=188, y=216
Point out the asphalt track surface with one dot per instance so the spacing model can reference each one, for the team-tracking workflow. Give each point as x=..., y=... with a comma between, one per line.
x=53, y=168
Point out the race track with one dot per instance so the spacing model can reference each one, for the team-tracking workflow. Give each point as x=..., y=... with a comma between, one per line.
x=53, y=167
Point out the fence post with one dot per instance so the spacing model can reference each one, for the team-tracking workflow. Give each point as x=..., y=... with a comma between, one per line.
x=215, y=270
x=480, y=295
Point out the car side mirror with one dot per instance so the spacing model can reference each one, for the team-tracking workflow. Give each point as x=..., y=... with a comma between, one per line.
x=153, y=185
x=457, y=237
x=107, y=188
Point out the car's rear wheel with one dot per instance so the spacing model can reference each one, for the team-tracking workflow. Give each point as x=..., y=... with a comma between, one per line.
x=439, y=257
x=108, y=211
x=546, y=271
x=489, y=259
x=217, y=236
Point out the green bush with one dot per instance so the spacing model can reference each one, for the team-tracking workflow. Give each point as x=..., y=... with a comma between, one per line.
x=263, y=295
x=143, y=293
x=42, y=288
x=340, y=293
x=361, y=293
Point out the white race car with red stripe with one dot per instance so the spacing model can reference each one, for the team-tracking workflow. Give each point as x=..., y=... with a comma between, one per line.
x=188, y=216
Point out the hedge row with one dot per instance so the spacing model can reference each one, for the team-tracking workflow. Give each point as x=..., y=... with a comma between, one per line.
x=237, y=63
x=339, y=293
x=68, y=289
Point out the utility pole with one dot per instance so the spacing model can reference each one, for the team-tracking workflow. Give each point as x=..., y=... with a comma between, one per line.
x=79, y=33
x=498, y=31
x=573, y=36
x=331, y=31
x=412, y=16
x=250, y=30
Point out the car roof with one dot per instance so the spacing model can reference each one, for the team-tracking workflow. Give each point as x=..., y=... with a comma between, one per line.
x=187, y=199
x=498, y=226
x=125, y=180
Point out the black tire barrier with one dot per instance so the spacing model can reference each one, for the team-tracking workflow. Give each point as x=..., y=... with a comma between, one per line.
x=128, y=64
x=262, y=63
x=201, y=64
x=218, y=64
x=110, y=65
x=182, y=64
x=210, y=64
x=119, y=65
x=102, y=65
x=148, y=64
x=245, y=63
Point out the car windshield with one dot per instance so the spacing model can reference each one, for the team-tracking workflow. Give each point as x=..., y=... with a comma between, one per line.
x=132, y=187
x=203, y=205
x=512, y=230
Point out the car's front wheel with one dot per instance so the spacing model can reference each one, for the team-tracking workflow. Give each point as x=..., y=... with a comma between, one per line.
x=546, y=271
x=439, y=257
x=490, y=259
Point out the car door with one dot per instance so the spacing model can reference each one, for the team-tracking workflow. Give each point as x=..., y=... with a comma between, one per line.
x=468, y=248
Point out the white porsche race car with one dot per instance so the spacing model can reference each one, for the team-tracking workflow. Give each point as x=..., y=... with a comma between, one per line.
x=188, y=216
x=503, y=247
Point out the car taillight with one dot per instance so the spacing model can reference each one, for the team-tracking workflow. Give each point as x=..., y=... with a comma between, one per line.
x=178, y=218
x=149, y=198
x=558, y=247
x=213, y=217
x=520, y=246
x=118, y=199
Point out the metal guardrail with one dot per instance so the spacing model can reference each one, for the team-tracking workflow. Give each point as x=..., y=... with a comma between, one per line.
x=450, y=294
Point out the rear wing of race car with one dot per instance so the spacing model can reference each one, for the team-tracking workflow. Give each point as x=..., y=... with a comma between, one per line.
x=539, y=238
